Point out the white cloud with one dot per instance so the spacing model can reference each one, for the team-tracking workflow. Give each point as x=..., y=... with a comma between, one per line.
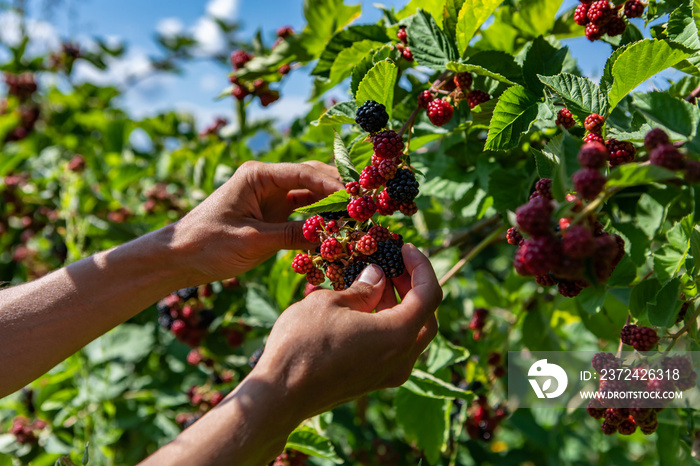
x=284, y=111
x=212, y=82
x=170, y=27
x=224, y=9
x=209, y=36
x=134, y=65
x=44, y=36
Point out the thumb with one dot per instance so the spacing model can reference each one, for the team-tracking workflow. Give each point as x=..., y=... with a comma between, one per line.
x=366, y=291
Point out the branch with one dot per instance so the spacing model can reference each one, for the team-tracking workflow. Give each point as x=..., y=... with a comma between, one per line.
x=464, y=236
x=691, y=97
x=493, y=237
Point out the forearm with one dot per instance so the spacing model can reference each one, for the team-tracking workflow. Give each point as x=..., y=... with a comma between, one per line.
x=248, y=428
x=47, y=320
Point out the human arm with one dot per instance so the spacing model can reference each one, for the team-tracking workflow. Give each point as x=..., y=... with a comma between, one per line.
x=323, y=351
x=239, y=226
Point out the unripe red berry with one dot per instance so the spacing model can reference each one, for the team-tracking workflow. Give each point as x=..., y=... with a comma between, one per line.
x=581, y=15
x=302, y=264
x=408, y=208
x=315, y=277
x=534, y=217
x=540, y=253
x=440, y=112
x=477, y=97
x=407, y=54
x=387, y=168
x=513, y=236
x=424, y=98
x=464, y=81
x=594, y=122
x=615, y=26
x=593, y=137
x=239, y=92
x=362, y=208
x=331, y=249
x=387, y=144
x=353, y=188
x=312, y=227
x=366, y=245
x=379, y=233
x=621, y=152
x=385, y=204
x=370, y=178
x=599, y=11
x=564, y=117
x=402, y=35
x=578, y=242
x=594, y=31
x=634, y=8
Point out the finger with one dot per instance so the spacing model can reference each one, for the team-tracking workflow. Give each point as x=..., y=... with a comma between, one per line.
x=402, y=284
x=301, y=197
x=289, y=176
x=424, y=296
x=326, y=168
x=285, y=235
x=366, y=291
x=388, y=298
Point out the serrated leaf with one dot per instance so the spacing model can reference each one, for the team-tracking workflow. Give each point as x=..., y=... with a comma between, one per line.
x=546, y=163
x=346, y=39
x=336, y=202
x=366, y=64
x=306, y=440
x=542, y=59
x=429, y=44
x=378, y=85
x=346, y=169
x=349, y=58
x=669, y=259
x=536, y=17
x=478, y=70
x=361, y=153
x=682, y=26
x=695, y=248
x=323, y=19
x=633, y=174
x=450, y=15
x=442, y=353
x=471, y=16
x=639, y=62
x=607, y=78
x=675, y=114
x=515, y=111
x=340, y=114
x=581, y=95
x=482, y=113
x=424, y=420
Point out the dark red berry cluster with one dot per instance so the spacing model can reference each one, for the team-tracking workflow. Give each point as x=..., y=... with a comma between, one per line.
x=258, y=87
x=164, y=198
x=204, y=398
x=348, y=242
x=482, y=419
x=291, y=458
x=478, y=321
x=640, y=338
x=623, y=416
x=185, y=315
x=458, y=88
x=402, y=46
x=22, y=85
x=565, y=119
x=664, y=154
x=26, y=431
x=560, y=253
x=602, y=17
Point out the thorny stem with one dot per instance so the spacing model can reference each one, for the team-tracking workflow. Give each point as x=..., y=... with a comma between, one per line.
x=472, y=253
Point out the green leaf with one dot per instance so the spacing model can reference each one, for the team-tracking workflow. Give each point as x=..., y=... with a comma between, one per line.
x=434, y=7
x=695, y=247
x=340, y=114
x=669, y=259
x=425, y=384
x=306, y=440
x=471, y=16
x=346, y=39
x=500, y=63
x=639, y=62
x=675, y=114
x=542, y=59
x=515, y=112
x=450, y=15
x=664, y=311
x=349, y=58
x=607, y=78
x=545, y=162
x=581, y=95
x=475, y=69
x=482, y=114
x=429, y=44
x=336, y=202
x=424, y=420
x=564, y=150
x=442, y=353
x=361, y=153
x=378, y=85
x=346, y=169
x=323, y=19
x=633, y=174
x=682, y=26
x=591, y=299
x=366, y=64
x=536, y=17
x=649, y=214
x=126, y=343
x=642, y=295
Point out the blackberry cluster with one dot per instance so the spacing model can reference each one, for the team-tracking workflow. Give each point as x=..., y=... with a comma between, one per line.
x=478, y=321
x=348, y=242
x=640, y=338
x=601, y=17
x=244, y=86
x=561, y=253
x=482, y=419
x=625, y=415
x=26, y=431
x=185, y=315
x=204, y=398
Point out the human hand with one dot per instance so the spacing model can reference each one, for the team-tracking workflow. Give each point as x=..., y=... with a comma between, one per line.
x=245, y=221
x=329, y=348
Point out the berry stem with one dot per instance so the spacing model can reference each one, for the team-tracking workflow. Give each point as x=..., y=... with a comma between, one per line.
x=595, y=204
x=464, y=236
x=409, y=123
x=619, y=347
x=493, y=237
x=693, y=95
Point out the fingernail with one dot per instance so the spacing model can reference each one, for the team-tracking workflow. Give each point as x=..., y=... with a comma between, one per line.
x=372, y=275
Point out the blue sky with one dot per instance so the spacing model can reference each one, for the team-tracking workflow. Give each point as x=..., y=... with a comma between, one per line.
x=195, y=90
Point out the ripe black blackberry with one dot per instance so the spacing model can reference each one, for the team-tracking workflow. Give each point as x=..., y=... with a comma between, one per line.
x=353, y=271
x=327, y=216
x=187, y=293
x=603, y=361
x=372, y=116
x=389, y=258
x=403, y=187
